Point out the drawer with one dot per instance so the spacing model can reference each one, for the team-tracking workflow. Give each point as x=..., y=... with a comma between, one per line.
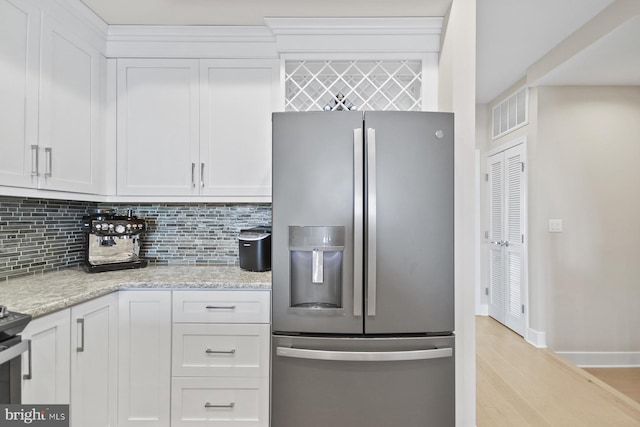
x=220, y=402
x=231, y=350
x=221, y=306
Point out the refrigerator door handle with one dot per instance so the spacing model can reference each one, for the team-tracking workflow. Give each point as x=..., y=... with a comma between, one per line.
x=371, y=222
x=364, y=356
x=358, y=220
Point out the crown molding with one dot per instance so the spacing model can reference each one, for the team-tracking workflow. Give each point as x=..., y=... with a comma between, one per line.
x=188, y=34
x=353, y=35
x=190, y=41
x=279, y=36
x=355, y=26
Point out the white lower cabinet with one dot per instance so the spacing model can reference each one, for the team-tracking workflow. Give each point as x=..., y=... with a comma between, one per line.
x=46, y=368
x=220, y=359
x=94, y=364
x=220, y=402
x=232, y=350
x=144, y=371
x=156, y=358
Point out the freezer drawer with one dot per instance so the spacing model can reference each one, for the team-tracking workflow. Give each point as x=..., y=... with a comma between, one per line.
x=373, y=382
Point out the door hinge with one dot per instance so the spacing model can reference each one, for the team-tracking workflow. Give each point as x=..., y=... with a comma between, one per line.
x=522, y=308
x=486, y=177
x=486, y=234
x=523, y=238
x=486, y=291
x=522, y=166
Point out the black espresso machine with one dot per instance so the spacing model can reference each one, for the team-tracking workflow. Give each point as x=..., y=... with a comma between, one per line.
x=112, y=241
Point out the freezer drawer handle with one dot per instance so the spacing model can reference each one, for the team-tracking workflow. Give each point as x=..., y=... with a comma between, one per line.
x=229, y=405
x=220, y=307
x=210, y=351
x=364, y=356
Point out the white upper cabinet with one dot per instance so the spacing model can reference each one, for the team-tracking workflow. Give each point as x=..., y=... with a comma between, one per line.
x=69, y=111
x=19, y=63
x=157, y=127
x=190, y=127
x=236, y=103
x=51, y=102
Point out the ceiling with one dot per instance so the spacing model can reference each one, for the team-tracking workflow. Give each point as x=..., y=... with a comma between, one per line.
x=511, y=35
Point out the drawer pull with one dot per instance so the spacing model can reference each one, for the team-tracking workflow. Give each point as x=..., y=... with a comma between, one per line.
x=229, y=405
x=209, y=351
x=220, y=307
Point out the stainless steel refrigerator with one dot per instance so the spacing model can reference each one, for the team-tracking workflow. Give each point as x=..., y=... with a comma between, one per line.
x=362, y=265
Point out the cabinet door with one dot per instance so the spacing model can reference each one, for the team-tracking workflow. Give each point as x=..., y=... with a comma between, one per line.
x=69, y=114
x=46, y=367
x=237, y=98
x=94, y=351
x=144, y=370
x=157, y=127
x=19, y=54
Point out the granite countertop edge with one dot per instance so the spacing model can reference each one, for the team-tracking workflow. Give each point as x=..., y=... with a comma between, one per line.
x=39, y=295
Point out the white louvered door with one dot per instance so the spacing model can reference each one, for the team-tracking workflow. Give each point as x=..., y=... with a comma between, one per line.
x=496, y=227
x=506, y=237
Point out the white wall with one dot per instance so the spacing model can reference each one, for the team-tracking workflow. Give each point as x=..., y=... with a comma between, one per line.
x=588, y=147
x=457, y=93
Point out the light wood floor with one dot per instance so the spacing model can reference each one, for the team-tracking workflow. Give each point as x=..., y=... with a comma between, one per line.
x=625, y=380
x=519, y=385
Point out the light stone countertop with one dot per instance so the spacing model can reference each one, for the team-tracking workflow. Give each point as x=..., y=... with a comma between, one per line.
x=45, y=293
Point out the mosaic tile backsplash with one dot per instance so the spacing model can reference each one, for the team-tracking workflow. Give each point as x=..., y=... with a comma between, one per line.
x=38, y=235
x=195, y=234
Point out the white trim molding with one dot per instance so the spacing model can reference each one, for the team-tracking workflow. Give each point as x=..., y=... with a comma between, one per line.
x=148, y=41
x=602, y=359
x=350, y=26
x=536, y=338
x=305, y=35
x=482, y=309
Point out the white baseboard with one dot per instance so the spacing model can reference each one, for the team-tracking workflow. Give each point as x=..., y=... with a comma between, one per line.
x=602, y=359
x=536, y=338
x=482, y=309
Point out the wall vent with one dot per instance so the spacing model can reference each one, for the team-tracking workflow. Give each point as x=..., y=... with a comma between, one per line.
x=511, y=113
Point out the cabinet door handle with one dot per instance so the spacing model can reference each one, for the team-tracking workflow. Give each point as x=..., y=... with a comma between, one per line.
x=48, y=155
x=210, y=351
x=193, y=175
x=220, y=307
x=29, y=373
x=228, y=405
x=35, y=160
x=80, y=323
x=202, y=175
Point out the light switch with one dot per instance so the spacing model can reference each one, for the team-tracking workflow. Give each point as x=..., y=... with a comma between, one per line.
x=555, y=226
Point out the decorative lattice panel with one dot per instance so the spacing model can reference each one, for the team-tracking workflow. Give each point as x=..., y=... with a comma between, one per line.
x=353, y=85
